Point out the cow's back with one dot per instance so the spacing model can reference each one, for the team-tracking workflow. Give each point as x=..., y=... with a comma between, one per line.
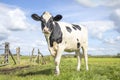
x=73, y=38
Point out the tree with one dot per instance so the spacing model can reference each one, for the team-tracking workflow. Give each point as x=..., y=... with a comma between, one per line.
x=118, y=54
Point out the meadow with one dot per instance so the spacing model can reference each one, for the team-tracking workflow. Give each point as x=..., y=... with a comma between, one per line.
x=99, y=69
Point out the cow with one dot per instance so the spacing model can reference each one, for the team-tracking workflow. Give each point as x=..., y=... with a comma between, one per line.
x=62, y=36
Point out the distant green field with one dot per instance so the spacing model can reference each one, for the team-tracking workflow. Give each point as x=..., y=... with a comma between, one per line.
x=99, y=69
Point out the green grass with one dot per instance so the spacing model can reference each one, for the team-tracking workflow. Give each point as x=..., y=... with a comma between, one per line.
x=99, y=69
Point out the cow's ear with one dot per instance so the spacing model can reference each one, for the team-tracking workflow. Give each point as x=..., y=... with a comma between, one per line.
x=36, y=17
x=57, y=17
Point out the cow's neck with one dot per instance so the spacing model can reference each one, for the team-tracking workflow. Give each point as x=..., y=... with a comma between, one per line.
x=47, y=36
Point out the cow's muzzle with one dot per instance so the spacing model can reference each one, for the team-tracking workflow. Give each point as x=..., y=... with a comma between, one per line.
x=46, y=30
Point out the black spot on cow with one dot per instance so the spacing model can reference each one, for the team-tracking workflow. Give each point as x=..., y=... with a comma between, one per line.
x=76, y=27
x=77, y=39
x=69, y=29
x=78, y=45
x=56, y=35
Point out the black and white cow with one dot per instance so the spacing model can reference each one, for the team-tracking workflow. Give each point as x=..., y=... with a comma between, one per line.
x=62, y=37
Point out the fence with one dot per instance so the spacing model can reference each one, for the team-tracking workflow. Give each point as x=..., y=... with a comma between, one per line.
x=6, y=54
x=39, y=58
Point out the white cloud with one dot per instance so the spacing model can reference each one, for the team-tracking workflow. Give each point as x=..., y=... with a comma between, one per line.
x=11, y=19
x=112, y=40
x=114, y=5
x=97, y=49
x=95, y=3
x=117, y=38
x=115, y=16
x=96, y=29
x=87, y=3
x=109, y=41
x=106, y=43
x=111, y=3
x=17, y=20
x=40, y=43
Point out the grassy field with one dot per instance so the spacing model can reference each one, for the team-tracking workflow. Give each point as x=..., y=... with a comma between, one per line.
x=99, y=69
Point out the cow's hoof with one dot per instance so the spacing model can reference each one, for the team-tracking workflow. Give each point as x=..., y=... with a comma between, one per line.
x=57, y=73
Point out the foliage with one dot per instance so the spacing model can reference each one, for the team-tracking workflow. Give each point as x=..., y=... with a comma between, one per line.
x=99, y=69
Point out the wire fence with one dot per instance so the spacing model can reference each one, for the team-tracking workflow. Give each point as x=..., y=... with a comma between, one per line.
x=4, y=57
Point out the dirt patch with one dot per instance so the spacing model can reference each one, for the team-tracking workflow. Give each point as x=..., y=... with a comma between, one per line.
x=9, y=70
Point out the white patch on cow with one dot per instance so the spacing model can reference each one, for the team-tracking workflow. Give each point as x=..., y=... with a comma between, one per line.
x=46, y=16
x=71, y=38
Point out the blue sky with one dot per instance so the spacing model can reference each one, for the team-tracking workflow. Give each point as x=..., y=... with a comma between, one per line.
x=101, y=17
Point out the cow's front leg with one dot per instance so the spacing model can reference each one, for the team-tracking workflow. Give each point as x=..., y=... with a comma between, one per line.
x=57, y=60
x=52, y=51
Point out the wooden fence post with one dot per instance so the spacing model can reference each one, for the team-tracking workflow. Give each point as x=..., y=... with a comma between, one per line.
x=6, y=56
x=38, y=60
x=7, y=53
x=12, y=57
x=0, y=59
x=18, y=54
x=42, y=57
x=32, y=55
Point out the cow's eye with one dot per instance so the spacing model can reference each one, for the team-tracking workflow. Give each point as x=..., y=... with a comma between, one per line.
x=50, y=20
x=43, y=24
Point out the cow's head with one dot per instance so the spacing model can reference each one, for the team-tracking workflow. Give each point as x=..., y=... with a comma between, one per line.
x=47, y=21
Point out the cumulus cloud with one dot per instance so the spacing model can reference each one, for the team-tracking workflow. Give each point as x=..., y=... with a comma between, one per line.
x=114, y=5
x=97, y=49
x=87, y=3
x=40, y=43
x=17, y=20
x=109, y=41
x=112, y=41
x=97, y=28
x=96, y=3
x=115, y=16
x=11, y=19
x=13, y=22
x=117, y=38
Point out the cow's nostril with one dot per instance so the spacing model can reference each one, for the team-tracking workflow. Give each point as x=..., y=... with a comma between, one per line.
x=46, y=31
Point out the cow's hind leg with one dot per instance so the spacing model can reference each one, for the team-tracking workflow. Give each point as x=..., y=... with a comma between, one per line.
x=84, y=49
x=78, y=60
